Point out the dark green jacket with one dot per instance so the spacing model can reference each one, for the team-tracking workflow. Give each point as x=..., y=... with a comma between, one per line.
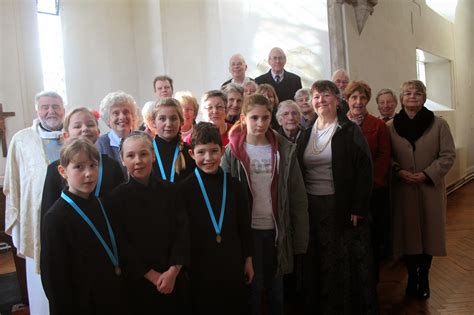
x=293, y=222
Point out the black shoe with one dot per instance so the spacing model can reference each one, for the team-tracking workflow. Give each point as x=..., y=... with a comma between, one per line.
x=412, y=287
x=423, y=286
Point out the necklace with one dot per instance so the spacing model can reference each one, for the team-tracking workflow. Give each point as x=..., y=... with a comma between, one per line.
x=319, y=147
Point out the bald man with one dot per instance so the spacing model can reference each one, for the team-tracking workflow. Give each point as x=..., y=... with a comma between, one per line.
x=285, y=83
x=341, y=79
x=237, y=68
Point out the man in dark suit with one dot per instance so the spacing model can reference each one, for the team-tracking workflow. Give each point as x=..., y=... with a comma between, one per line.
x=285, y=83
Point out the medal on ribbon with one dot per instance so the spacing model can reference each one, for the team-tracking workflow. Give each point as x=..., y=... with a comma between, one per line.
x=217, y=227
x=160, y=163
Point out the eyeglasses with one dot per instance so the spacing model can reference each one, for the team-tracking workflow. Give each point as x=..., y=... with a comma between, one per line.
x=216, y=108
x=412, y=94
x=288, y=114
x=277, y=58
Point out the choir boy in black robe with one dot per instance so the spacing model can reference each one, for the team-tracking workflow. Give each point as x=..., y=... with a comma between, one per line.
x=221, y=262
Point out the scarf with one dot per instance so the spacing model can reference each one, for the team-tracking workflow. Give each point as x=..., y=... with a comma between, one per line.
x=413, y=129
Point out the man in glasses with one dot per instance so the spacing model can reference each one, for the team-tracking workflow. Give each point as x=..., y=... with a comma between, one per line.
x=341, y=79
x=285, y=83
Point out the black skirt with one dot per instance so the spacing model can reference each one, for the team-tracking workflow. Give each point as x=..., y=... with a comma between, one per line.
x=338, y=268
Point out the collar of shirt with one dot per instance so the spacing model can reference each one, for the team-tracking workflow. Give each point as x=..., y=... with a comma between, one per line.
x=281, y=75
x=44, y=133
x=246, y=79
x=114, y=139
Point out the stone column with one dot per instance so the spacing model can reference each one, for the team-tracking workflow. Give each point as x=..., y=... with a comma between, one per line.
x=337, y=39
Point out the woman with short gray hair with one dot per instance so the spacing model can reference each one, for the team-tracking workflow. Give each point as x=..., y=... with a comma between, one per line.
x=288, y=116
x=119, y=111
x=303, y=100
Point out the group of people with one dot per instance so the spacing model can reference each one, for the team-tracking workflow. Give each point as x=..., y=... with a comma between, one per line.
x=281, y=195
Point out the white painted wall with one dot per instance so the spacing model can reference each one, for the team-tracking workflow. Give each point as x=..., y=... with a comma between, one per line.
x=200, y=36
x=124, y=44
x=20, y=65
x=384, y=56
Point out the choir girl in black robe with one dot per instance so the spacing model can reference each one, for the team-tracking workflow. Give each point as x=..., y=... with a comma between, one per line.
x=156, y=228
x=173, y=162
x=81, y=275
x=80, y=122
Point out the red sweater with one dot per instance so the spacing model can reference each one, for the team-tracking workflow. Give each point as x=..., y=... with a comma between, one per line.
x=378, y=138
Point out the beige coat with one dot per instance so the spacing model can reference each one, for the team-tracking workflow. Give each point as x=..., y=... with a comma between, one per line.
x=419, y=210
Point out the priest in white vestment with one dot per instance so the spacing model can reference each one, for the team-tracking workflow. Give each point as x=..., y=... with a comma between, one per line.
x=31, y=151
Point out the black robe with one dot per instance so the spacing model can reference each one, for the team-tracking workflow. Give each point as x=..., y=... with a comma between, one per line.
x=217, y=270
x=77, y=274
x=167, y=150
x=53, y=184
x=156, y=228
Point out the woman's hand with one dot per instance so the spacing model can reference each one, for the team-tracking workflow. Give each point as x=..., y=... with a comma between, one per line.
x=412, y=178
x=406, y=176
x=419, y=177
x=355, y=218
x=248, y=270
x=165, y=283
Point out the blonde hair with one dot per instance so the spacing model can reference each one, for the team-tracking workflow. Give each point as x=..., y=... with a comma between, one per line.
x=416, y=84
x=73, y=147
x=267, y=88
x=136, y=134
x=171, y=102
x=187, y=97
x=67, y=119
x=165, y=102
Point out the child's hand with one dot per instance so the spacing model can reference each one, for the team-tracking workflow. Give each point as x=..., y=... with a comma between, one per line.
x=248, y=270
x=165, y=283
x=152, y=276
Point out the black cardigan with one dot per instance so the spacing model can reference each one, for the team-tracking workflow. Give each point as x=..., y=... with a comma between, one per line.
x=351, y=168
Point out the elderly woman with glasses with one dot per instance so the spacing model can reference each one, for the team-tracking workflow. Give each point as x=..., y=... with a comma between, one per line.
x=422, y=152
x=214, y=110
